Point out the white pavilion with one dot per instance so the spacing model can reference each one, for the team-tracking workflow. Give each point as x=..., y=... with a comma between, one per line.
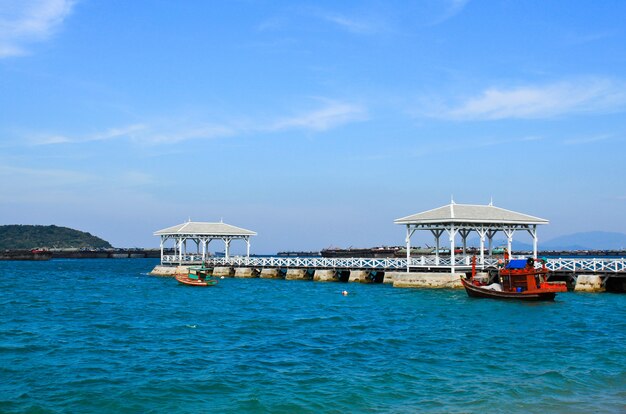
x=202, y=233
x=463, y=219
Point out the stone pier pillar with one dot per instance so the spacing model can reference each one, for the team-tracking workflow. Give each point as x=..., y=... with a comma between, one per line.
x=246, y=272
x=426, y=280
x=160, y=270
x=391, y=276
x=297, y=274
x=360, y=276
x=589, y=283
x=325, y=275
x=271, y=274
x=224, y=271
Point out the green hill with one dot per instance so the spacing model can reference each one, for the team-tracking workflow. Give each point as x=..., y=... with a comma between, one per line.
x=17, y=236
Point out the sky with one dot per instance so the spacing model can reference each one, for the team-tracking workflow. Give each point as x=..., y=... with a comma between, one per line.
x=315, y=124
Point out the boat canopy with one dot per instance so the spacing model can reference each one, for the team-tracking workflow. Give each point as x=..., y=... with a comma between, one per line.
x=516, y=264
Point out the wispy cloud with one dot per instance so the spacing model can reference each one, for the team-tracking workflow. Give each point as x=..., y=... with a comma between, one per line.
x=588, y=95
x=332, y=114
x=352, y=24
x=45, y=174
x=453, y=7
x=588, y=140
x=27, y=21
x=128, y=131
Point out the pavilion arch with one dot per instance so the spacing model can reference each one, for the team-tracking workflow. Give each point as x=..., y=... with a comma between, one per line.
x=202, y=233
x=462, y=219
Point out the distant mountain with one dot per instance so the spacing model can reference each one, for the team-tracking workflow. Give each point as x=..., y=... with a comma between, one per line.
x=17, y=236
x=592, y=240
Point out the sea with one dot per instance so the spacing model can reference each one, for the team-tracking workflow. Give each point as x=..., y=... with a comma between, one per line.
x=102, y=336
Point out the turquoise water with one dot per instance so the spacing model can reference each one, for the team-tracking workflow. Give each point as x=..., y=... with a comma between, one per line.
x=102, y=336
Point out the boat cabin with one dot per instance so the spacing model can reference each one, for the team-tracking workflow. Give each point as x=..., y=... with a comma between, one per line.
x=520, y=275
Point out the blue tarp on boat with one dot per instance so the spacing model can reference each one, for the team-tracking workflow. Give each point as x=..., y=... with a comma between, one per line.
x=516, y=264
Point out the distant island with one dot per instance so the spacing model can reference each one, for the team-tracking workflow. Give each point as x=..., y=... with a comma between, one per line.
x=17, y=236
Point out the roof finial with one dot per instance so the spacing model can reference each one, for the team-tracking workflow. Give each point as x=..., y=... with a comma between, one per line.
x=189, y=219
x=491, y=202
x=222, y=220
x=452, y=199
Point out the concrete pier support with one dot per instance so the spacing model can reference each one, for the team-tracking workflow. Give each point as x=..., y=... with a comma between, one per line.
x=224, y=271
x=271, y=273
x=390, y=276
x=589, y=283
x=246, y=272
x=360, y=276
x=160, y=270
x=297, y=274
x=426, y=280
x=325, y=275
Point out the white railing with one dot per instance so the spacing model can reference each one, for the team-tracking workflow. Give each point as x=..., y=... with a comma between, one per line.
x=577, y=265
x=587, y=265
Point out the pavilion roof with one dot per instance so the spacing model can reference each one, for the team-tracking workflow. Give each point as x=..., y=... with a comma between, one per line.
x=467, y=213
x=205, y=229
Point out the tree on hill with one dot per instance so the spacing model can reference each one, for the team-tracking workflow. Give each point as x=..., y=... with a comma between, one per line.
x=17, y=236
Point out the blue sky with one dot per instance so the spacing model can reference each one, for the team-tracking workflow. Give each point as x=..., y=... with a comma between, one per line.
x=315, y=124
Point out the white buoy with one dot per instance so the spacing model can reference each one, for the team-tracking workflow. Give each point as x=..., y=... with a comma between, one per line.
x=345, y=293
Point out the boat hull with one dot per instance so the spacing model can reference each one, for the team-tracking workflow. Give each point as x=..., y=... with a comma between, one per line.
x=479, y=292
x=183, y=279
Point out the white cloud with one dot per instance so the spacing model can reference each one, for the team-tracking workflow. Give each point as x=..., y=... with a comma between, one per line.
x=587, y=140
x=12, y=174
x=129, y=131
x=453, y=7
x=25, y=21
x=331, y=115
x=588, y=95
x=351, y=24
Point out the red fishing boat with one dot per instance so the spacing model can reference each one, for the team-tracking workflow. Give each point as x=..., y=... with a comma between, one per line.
x=198, y=276
x=517, y=279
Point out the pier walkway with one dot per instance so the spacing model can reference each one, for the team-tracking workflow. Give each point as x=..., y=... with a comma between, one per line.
x=614, y=266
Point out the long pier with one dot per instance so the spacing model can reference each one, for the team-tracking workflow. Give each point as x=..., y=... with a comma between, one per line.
x=616, y=266
x=581, y=274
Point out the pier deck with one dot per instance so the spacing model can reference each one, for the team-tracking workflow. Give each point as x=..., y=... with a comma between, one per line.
x=613, y=266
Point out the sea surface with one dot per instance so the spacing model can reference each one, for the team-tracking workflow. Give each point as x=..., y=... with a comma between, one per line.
x=97, y=336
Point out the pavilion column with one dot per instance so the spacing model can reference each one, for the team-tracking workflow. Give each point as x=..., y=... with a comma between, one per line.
x=409, y=233
x=533, y=233
x=452, y=233
x=490, y=234
x=227, y=249
x=464, y=233
x=180, y=251
x=437, y=233
x=509, y=240
x=203, y=250
x=248, y=247
x=482, y=233
x=162, y=241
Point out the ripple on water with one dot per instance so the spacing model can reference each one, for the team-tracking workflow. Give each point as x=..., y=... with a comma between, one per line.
x=121, y=341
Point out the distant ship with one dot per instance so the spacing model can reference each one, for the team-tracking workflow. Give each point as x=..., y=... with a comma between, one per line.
x=298, y=254
x=381, y=251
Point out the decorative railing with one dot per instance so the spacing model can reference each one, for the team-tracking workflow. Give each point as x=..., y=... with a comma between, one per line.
x=586, y=265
